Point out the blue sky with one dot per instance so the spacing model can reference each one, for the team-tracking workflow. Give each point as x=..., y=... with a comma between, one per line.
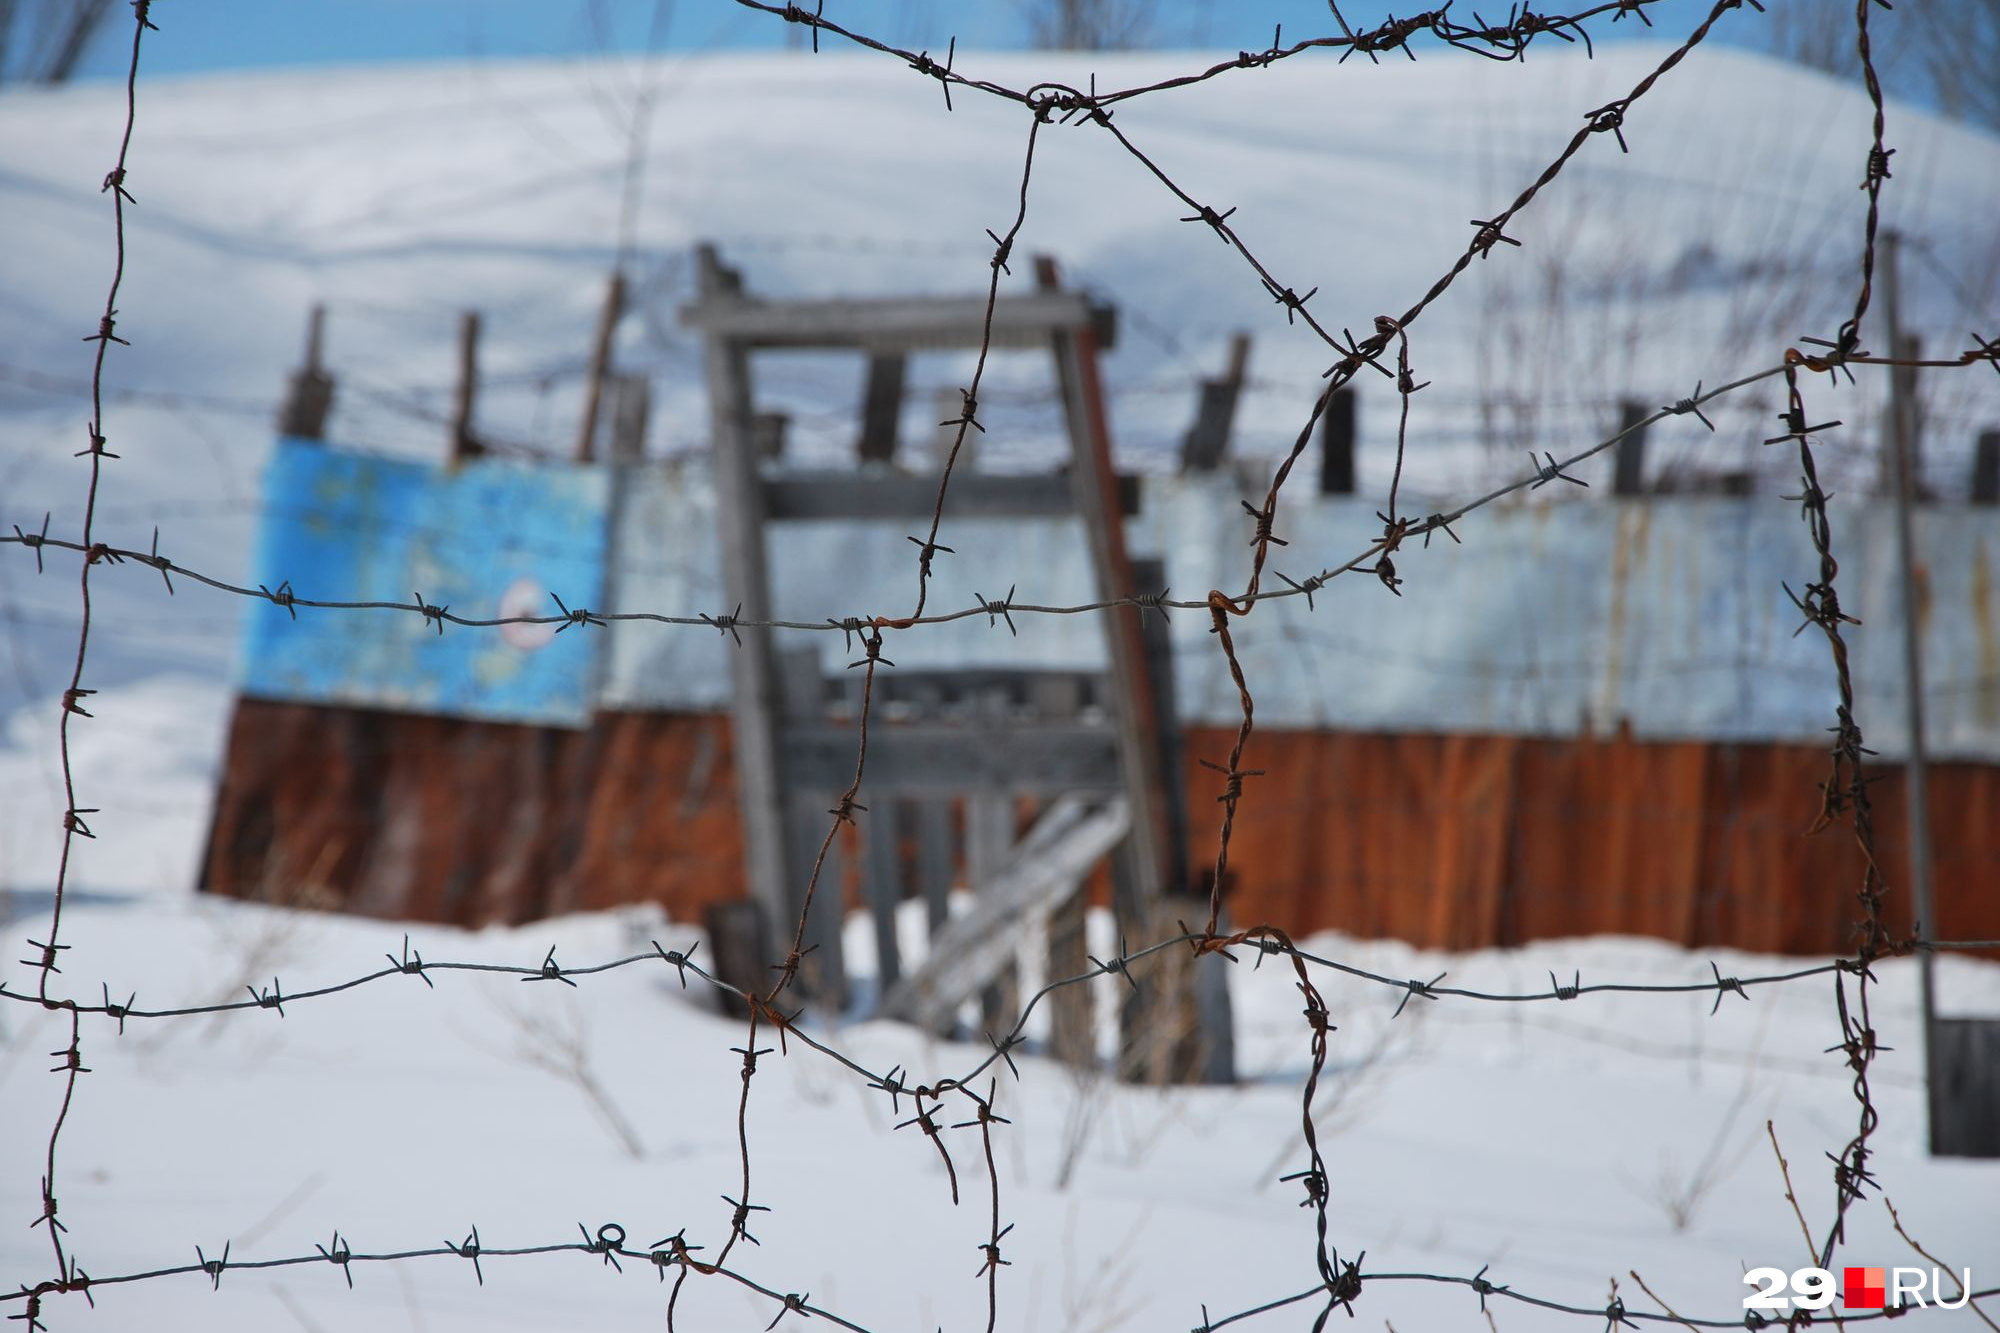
x=201, y=35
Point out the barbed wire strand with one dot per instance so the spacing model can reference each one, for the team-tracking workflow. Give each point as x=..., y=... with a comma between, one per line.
x=74, y=825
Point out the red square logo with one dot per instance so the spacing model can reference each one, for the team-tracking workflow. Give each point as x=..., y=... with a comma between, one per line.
x=1863, y=1289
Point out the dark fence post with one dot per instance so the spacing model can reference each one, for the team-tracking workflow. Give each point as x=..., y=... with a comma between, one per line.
x=1986, y=468
x=1207, y=440
x=464, y=444
x=881, y=409
x=309, y=393
x=1337, y=440
x=1628, y=475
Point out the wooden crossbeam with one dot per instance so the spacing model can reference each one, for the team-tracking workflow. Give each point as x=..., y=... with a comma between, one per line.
x=890, y=324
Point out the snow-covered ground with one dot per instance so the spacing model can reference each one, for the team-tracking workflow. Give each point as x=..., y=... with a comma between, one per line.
x=1564, y=1145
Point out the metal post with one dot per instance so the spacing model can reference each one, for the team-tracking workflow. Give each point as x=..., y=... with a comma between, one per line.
x=1902, y=441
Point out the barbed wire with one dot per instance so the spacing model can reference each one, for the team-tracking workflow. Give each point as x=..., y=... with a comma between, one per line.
x=1340, y=1281
x=894, y=1081
x=286, y=596
x=73, y=697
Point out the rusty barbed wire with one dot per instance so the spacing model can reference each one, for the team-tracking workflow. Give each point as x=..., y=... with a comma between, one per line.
x=896, y=1083
x=1845, y=791
x=71, y=1065
x=286, y=596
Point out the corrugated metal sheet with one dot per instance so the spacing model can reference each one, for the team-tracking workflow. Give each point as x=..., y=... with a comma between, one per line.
x=1666, y=616
x=1446, y=841
x=489, y=538
x=667, y=559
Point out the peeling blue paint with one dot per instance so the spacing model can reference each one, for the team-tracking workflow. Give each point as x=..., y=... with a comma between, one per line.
x=346, y=526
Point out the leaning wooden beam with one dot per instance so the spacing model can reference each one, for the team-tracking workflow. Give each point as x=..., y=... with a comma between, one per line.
x=1047, y=866
x=1134, y=701
x=889, y=325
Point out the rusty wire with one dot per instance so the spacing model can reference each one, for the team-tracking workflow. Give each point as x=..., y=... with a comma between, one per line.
x=1340, y=1282
x=71, y=1064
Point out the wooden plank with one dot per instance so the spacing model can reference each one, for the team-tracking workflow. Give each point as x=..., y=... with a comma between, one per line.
x=600, y=366
x=887, y=325
x=1206, y=443
x=1133, y=698
x=881, y=409
x=1337, y=443
x=739, y=944
x=1176, y=1025
x=1628, y=472
x=1965, y=1087
x=1072, y=1026
x=754, y=700
x=882, y=886
x=853, y=495
x=989, y=843
x=934, y=859
x=1046, y=866
x=923, y=758
x=823, y=974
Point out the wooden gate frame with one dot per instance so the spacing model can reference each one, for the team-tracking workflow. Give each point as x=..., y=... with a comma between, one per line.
x=734, y=325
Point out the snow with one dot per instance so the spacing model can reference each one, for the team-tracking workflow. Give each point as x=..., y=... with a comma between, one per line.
x=1543, y=1140
x=1548, y=1141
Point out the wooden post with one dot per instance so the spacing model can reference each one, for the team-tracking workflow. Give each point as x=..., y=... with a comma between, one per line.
x=1337, y=444
x=1986, y=468
x=934, y=859
x=989, y=835
x=1628, y=474
x=631, y=412
x=600, y=366
x=882, y=887
x=881, y=408
x=1206, y=443
x=823, y=974
x=464, y=444
x=1132, y=695
x=754, y=707
x=1965, y=1092
x=739, y=941
x=309, y=392
x=1902, y=466
x=1072, y=1029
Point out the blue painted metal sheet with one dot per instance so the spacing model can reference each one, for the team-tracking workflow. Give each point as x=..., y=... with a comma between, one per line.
x=490, y=538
